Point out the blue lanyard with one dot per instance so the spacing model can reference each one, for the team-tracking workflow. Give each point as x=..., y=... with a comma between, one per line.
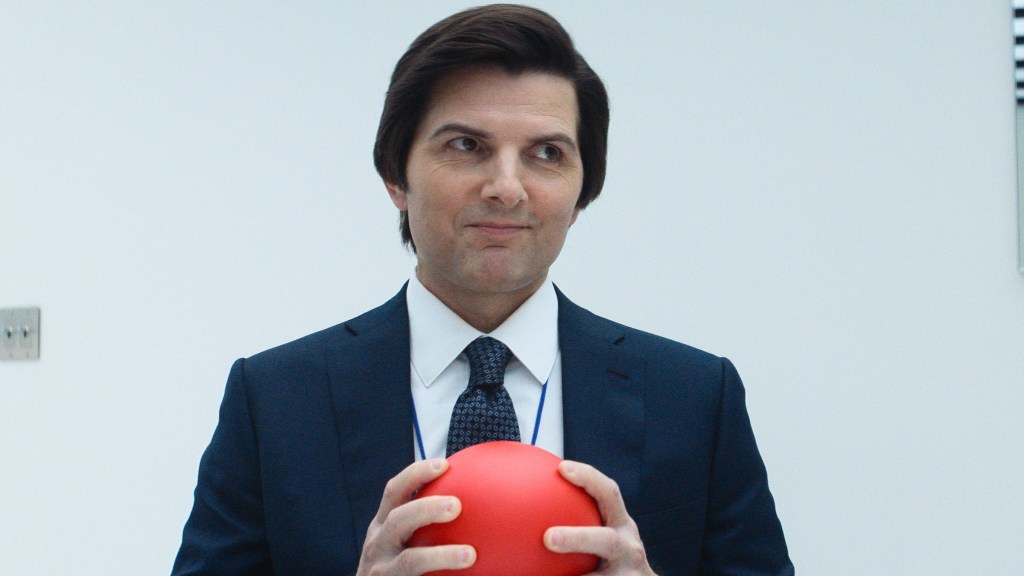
x=536, y=423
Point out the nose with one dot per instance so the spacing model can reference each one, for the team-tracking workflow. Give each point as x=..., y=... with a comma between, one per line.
x=505, y=180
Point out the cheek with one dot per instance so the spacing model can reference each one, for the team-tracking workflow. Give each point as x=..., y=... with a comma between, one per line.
x=432, y=210
x=437, y=197
x=565, y=211
x=432, y=219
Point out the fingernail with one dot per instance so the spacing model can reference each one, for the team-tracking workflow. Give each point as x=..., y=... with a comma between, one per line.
x=569, y=467
x=466, y=555
x=556, y=539
x=450, y=504
x=437, y=463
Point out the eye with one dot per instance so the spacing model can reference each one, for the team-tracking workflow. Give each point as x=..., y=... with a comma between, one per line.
x=464, y=144
x=548, y=152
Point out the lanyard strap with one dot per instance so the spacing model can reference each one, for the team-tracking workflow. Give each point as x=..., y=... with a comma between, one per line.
x=536, y=423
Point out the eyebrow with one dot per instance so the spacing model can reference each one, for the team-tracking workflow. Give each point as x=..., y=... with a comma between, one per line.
x=459, y=128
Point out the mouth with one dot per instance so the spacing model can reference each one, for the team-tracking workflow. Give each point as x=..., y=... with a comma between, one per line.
x=498, y=228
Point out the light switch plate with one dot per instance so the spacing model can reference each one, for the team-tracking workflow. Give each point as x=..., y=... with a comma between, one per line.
x=19, y=333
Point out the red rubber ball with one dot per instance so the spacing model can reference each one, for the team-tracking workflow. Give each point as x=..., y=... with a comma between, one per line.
x=511, y=493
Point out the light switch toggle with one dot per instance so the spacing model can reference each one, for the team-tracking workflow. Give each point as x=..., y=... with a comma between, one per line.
x=19, y=333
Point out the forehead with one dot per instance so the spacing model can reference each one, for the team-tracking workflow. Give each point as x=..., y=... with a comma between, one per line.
x=491, y=95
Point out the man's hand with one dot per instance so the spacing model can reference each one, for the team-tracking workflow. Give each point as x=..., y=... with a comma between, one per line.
x=617, y=543
x=385, y=552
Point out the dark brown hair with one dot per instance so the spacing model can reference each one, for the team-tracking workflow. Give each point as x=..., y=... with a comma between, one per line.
x=516, y=38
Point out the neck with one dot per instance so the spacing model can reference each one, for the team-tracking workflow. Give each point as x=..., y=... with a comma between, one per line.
x=484, y=311
x=487, y=315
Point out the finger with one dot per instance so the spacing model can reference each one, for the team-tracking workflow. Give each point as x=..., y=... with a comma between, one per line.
x=601, y=488
x=411, y=516
x=598, y=540
x=401, y=488
x=420, y=560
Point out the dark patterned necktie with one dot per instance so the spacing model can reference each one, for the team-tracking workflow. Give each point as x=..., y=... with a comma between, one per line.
x=484, y=410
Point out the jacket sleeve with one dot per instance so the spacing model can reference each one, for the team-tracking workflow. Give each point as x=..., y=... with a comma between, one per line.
x=225, y=532
x=743, y=533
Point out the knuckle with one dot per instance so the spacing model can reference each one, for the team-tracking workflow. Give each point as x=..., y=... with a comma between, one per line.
x=372, y=550
x=391, y=489
x=618, y=547
x=392, y=517
x=635, y=553
x=377, y=570
x=405, y=563
x=613, y=490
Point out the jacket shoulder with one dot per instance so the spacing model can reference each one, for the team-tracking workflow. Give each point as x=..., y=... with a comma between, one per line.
x=632, y=340
x=392, y=315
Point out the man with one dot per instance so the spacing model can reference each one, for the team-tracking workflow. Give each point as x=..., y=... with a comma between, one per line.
x=491, y=141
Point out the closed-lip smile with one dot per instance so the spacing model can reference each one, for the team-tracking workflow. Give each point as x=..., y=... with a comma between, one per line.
x=498, y=227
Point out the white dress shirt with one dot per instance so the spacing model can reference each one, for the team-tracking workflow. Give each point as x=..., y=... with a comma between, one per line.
x=440, y=371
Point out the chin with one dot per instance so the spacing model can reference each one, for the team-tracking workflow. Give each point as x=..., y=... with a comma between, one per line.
x=508, y=285
x=501, y=273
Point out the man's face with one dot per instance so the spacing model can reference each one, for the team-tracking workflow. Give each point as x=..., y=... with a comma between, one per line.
x=494, y=173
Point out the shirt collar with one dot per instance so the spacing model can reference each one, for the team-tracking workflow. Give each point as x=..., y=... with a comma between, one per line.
x=438, y=335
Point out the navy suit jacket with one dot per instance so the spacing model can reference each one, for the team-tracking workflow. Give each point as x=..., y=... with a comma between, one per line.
x=311, y=431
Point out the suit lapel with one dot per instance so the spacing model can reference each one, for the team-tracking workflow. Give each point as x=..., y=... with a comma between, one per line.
x=370, y=375
x=602, y=397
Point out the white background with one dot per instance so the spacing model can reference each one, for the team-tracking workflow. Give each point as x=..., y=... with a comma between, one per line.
x=821, y=191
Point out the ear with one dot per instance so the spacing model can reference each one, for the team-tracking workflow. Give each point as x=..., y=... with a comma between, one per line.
x=398, y=196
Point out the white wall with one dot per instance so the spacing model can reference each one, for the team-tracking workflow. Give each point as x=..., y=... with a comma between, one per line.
x=822, y=191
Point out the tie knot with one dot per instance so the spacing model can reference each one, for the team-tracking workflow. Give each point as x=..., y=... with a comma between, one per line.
x=487, y=361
